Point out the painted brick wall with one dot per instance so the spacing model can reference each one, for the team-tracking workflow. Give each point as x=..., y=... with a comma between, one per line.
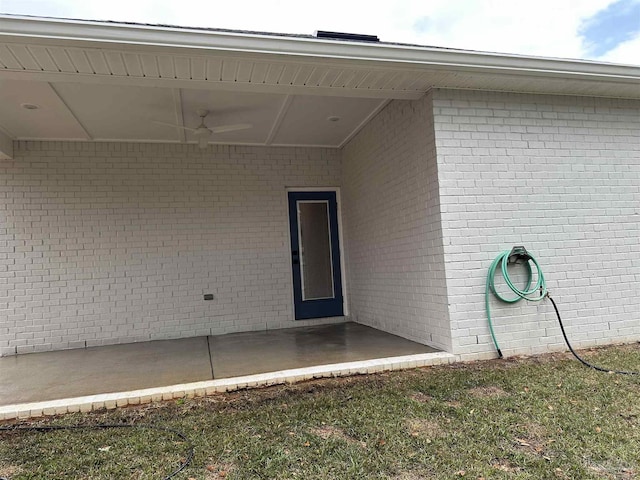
x=560, y=175
x=111, y=243
x=392, y=223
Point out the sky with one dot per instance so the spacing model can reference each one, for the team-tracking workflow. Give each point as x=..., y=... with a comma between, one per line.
x=602, y=30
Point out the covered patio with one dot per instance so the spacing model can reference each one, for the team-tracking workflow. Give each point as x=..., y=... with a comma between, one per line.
x=187, y=211
x=233, y=193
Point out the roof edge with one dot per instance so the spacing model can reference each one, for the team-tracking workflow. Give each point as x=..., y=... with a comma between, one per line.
x=97, y=34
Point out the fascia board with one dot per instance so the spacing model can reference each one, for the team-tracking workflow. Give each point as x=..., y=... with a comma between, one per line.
x=114, y=35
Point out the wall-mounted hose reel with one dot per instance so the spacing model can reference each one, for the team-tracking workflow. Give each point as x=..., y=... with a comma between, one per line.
x=531, y=293
x=517, y=254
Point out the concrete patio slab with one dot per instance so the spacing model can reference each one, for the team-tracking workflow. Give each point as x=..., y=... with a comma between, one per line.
x=209, y=387
x=114, y=368
x=249, y=353
x=50, y=383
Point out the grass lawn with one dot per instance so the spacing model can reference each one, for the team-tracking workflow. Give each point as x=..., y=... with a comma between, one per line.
x=537, y=418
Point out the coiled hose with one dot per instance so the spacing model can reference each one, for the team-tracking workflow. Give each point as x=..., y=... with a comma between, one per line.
x=526, y=293
x=540, y=289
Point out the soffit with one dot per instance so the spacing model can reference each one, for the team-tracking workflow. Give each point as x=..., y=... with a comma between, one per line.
x=270, y=74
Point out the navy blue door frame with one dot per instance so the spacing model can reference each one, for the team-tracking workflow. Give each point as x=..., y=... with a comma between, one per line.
x=323, y=307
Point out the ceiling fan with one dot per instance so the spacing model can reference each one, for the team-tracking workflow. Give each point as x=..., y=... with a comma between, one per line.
x=203, y=133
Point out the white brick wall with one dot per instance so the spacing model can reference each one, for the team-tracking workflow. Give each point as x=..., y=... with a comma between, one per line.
x=392, y=224
x=110, y=243
x=560, y=175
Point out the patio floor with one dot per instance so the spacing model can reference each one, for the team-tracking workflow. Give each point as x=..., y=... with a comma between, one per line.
x=73, y=373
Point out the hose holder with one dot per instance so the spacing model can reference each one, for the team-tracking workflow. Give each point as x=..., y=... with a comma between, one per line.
x=518, y=253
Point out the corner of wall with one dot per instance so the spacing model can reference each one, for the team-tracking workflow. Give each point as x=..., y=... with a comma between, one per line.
x=392, y=220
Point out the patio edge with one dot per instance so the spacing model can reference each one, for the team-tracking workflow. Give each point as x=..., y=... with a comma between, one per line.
x=200, y=389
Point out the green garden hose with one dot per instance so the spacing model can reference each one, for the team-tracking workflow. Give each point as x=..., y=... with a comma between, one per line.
x=540, y=288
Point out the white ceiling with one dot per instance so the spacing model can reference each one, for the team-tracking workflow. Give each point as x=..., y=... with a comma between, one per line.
x=81, y=111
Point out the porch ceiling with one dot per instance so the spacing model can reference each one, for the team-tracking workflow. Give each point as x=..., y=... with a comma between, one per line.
x=111, y=112
x=115, y=82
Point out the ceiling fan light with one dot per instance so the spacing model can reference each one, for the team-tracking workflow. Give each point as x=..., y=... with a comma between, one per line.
x=203, y=141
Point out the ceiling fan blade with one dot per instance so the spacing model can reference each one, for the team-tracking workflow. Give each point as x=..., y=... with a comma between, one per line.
x=174, y=125
x=231, y=128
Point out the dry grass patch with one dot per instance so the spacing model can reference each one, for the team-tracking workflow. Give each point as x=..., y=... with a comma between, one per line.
x=489, y=391
x=424, y=428
x=613, y=472
x=8, y=471
x=535, y=439
x=505, y=465
x=409, y=476
x=327, y=432
x=216, y=470
x=421, y=397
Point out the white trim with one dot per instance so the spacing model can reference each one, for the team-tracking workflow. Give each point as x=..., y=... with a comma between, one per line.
x=77, y=32
x=175, y=142
x=6, y=146
x=284, y=108
x=343, y=254
x=71, y=112
x=94, y=78
x=179, y=115
x=92, y=32
x=373, y=113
